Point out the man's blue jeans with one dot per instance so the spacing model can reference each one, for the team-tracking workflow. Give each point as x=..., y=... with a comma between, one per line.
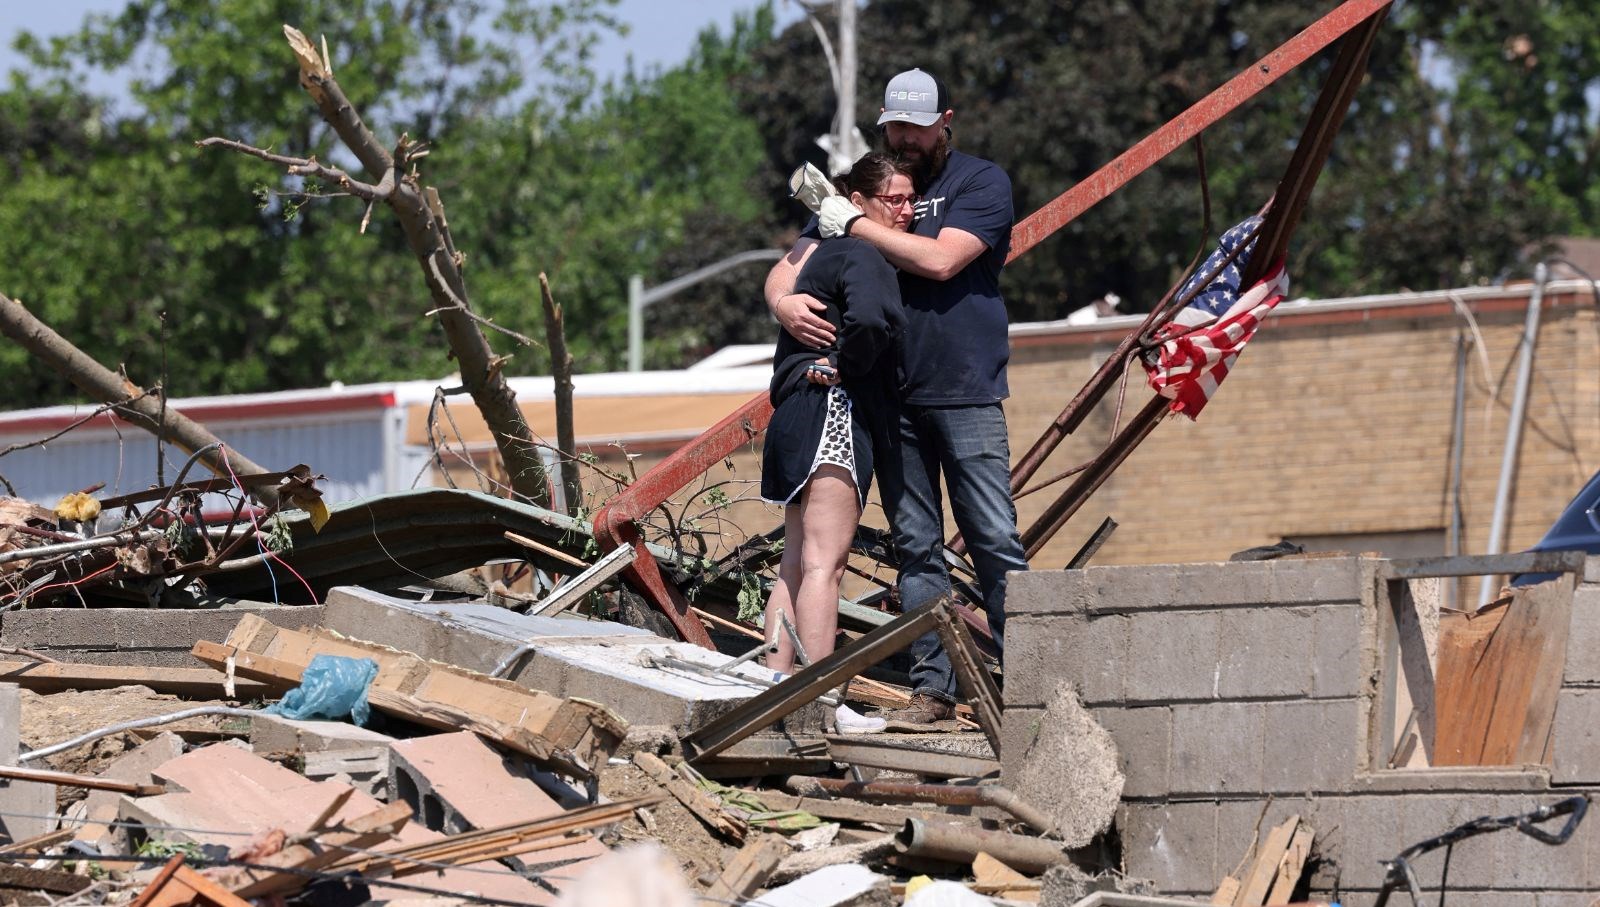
x=968, y=445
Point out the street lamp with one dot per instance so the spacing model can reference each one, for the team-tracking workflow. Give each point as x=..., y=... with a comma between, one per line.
x=639, y=297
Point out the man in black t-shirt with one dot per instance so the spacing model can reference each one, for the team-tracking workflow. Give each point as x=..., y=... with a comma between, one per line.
x=954, y=355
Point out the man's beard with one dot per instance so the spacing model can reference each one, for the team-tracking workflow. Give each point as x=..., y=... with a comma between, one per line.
x=927, y=167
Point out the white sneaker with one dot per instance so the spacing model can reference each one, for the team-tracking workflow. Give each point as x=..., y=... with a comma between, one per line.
x=849, y=721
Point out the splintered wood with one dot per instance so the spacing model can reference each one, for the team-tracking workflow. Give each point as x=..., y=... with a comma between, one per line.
x=1269, y=874
x=574, y=735
x=1498, y=676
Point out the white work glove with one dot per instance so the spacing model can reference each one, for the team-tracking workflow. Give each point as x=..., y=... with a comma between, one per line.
x=835, y=216
x=810, y=186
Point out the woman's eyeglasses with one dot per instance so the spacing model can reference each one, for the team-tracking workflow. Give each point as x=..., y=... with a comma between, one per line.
x=895, y=201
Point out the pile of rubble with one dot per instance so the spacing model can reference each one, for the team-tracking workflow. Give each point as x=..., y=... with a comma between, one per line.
x=508, y=758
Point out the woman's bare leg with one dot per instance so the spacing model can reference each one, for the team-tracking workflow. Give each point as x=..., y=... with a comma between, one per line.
x=781, y=600
x=829, y=511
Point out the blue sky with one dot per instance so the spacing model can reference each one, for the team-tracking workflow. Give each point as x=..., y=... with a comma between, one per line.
x=661, y=32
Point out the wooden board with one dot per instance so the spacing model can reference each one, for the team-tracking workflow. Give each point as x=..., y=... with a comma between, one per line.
x=55, y=677
x=1258, y=880
x=750, y=869
x=576, y=736
x=1498, y=675
x=1291, y=866
x=705, y=807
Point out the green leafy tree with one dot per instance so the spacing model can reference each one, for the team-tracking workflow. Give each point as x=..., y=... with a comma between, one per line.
x=1471, y=137
x=139, y=247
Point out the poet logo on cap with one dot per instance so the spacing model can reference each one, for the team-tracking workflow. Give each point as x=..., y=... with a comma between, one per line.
x=914, y=97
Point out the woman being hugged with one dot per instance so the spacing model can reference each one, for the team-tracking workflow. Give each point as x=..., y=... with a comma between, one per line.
x=833, y=408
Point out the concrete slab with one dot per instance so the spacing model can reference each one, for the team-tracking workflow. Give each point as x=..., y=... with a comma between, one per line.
x=475, y=636
x=134, y=766
x=30, y=805
x=847, y=885
x=457, y=782
x=274, y=734
x=597, y=660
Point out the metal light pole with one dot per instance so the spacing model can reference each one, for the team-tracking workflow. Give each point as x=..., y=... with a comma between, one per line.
x=639, y=297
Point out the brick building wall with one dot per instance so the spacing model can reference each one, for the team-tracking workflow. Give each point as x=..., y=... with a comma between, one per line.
x=1337, y=422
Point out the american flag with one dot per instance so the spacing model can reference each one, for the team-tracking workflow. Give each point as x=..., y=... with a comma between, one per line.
x=1198, y=347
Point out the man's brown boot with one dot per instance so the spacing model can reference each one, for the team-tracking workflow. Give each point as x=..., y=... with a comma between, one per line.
x=926, y=714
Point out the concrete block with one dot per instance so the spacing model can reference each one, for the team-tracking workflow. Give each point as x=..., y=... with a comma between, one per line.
x=134, y=766
x=1049, y=592
x=1316, y=580
x=1089, y=653
x=1583, y=635
x=1544, y=898
x=845, y=885
x=1310, y=745
x=1211, y=585
x=1172, y=844
x=366, y=769
x=144, y=637
x=1265, y=652
x=1144, y=745
x=1476, y=862
x=274, y=734
x=1355, y=835
x=456, y=783
x=1173, y=655
x=1575, y=756
x=1018, y=728
x=1336, y=662
x=1450, y=780
x=1140, y=588
x=36, y=803
x=1528, y=864
x=1217, y=748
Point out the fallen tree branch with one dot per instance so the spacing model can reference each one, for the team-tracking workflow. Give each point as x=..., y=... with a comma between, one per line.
x=131, y=402
x=421, y=218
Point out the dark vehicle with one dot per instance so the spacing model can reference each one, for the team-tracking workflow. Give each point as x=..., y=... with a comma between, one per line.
x=1577, y=529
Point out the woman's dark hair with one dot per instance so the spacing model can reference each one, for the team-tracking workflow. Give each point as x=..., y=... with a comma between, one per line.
x=870, y=172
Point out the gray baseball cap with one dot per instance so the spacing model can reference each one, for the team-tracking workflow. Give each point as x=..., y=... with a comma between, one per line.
x=914, y=97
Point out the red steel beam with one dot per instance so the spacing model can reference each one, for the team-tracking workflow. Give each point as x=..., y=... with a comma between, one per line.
x=617, y=523
x=1066, y=207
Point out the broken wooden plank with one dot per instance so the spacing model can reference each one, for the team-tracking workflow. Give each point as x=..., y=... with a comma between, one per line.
x=1226, y=892
x=574, y=735
x=750, y=869
x=326, y=849
x=177, y=884
x=992, y=877
x=705, y=807
x=37, y=843
x=25, y=878
x=1258, y=880
x=1291, y=866
x=91, y=782
x=57, y=676
x=1499, y=672
x=493, y=843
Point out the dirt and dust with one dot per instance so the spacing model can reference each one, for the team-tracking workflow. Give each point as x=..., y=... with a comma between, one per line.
x=700, y=854
x=47, y=720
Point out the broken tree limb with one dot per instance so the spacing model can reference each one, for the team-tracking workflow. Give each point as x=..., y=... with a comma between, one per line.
x=428, y=236
x=561, y=371
x=133, y=403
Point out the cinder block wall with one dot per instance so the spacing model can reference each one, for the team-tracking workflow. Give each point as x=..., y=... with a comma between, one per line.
x=1241, y=693
x=137, y=637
